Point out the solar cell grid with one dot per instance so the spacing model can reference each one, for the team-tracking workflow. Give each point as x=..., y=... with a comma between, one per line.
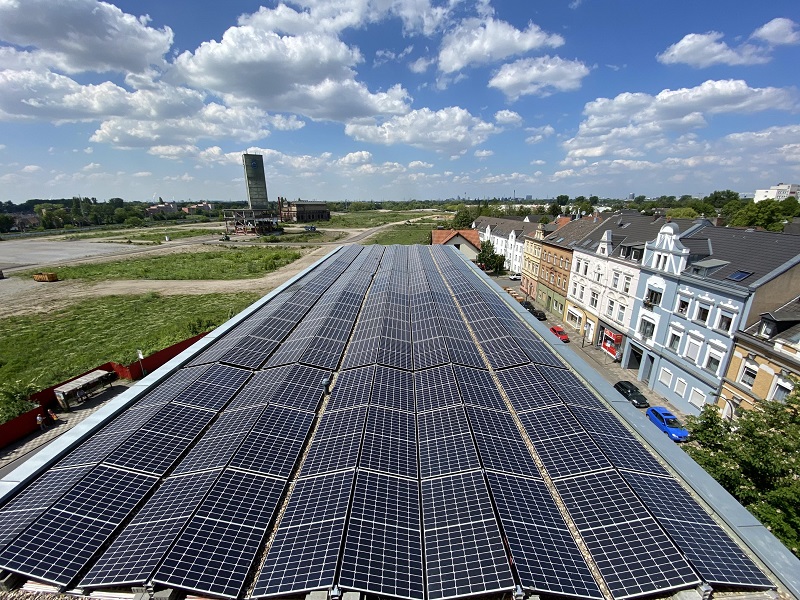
x=332, y=454
x=709, y=549
x=177, y=420
x=498, y=423
x=581, y=397
x=393, y=388
x=92, y=451
x=395, y=456
x=599, y=500
x=509, y=455
x=452, y=454
x=260, y=389
x=628, y=453
x=550, y=422
x=45, y=490
x=383, y=552
x=601, y=422
x=463, y=548
x=211, y=453
x=545, y=554
x=442, y=423
x=152, y=452
x=527, y=388
x=570, y=455
x=636, y=558
x=501, y=353
x=477, y=387
x=436, y=388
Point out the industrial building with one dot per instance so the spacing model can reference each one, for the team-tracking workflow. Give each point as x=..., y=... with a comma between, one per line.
x=386, y=424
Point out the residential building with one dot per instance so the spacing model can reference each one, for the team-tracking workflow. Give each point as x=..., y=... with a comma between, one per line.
x=507, y=236
x=531, y=257
x=694, y=292
x=777, y=192
x=556, y=261
x=765, y=361
x=604, y=278
x=465, y=240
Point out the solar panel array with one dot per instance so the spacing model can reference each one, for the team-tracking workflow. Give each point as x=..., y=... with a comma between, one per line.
x=385, y=424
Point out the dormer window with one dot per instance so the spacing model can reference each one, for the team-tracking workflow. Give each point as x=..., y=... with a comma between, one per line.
x=767, y=328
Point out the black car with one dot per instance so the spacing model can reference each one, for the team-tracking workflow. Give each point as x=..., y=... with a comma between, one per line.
x=539, y=314
x=632, y=393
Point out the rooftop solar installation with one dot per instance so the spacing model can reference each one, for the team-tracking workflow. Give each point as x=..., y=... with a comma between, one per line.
x=386, y=423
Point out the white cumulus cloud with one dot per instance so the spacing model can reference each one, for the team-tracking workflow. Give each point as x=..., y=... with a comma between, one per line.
x=479, y=41
x=539, y=76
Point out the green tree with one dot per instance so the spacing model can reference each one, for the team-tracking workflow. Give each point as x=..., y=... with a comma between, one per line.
x=562, y=199
x=721, y=198
x=6, y=223
x=766, y=214
x=756, y=460
x=555, y=209
x=486, y=253
x=682, y=213
x=789, y=207
x=15, y=399
x=463, y=219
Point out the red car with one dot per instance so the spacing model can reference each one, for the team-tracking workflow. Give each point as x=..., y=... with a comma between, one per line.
x=559, y=333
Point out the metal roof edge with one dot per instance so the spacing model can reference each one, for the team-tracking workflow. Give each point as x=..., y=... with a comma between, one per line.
x=46, y=457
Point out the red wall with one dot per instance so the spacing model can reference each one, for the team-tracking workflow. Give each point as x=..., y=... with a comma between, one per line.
x=25, y=424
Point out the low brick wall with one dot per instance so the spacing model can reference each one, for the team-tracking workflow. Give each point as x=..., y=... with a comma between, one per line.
x=25, y=424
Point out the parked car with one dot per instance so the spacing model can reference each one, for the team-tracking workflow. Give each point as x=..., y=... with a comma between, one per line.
x=559, y=333
x=515, y=276
x=539, y=314
x=668, y=423
x=632, y=393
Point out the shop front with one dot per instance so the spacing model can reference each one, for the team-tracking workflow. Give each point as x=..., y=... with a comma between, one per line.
x=611, y=342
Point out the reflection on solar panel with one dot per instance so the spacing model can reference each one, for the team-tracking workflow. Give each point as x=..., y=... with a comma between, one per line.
x=386, y=424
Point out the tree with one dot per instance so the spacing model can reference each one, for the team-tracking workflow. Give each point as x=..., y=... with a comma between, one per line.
x=486, y=253
x=755, y=459
x=555, y=209
x=593, y=200
x=6, y=223
x=766, y=214
x=562, y=199
x=15, y=399
x=721, y=198
x=463, y=219
x=682, y=213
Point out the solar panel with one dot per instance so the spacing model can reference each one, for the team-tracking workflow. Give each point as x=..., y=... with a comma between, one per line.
x=60, y=543
x=336, y=443
x=631, y=551
x=570, y=455
x=712, y=553
x=477, y=387
x=274, y=444
x=546, y=556
x=383, y=549
x=527, y=388
x=393, y=388
x=436, y=388
x=390, y=442
x=464, y=552
x=231, y=522
x=305, y=550
x=550, y=422
x=352, y=388
x=136, y=552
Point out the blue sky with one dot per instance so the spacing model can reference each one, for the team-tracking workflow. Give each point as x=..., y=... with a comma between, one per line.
x=397, y=99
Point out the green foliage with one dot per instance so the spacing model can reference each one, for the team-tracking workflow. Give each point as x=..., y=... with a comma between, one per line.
x=757, y=459
x=405, y=234
x=719, y=198
x=222, y=264
x=463, y=219
x=766, y=214
x=50, y=348
x=15, y=399
x=682, y=213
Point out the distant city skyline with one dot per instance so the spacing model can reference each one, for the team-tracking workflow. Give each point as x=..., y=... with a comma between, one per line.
x=364, y=100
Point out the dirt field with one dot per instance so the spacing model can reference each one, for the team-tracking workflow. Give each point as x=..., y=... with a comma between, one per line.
x=24, y=296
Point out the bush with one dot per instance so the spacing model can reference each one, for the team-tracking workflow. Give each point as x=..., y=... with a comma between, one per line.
x=15, y=400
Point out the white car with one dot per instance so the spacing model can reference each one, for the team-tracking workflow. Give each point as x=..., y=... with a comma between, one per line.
x=515, y=277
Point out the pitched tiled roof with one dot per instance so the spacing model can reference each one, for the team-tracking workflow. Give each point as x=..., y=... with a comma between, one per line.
x=442, y=236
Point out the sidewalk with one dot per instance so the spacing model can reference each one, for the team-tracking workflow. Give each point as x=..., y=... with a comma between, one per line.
x=21, y=449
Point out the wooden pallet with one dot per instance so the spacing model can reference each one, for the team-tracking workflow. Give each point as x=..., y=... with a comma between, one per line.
x=45, y=276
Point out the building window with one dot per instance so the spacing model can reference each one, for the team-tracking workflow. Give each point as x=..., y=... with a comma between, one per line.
x=697, y=397
x=748, y=377
x=610, y=308
x=652, y=298
x=680, y=387
x=703, y=311
x=574, y=289
x=597, y=276
x=626, y=286
x=646, y=328
x=665, y=377
x=674, y=341
x=692, y=350
x=585, y=267
x=683, y=306
x=725, y=321
x=621, y=312
x=767, y=328
x=615, y=280
x=581, y=290
x=577, y=265
x=782, y=389
x=713, y=361
x=593, y=299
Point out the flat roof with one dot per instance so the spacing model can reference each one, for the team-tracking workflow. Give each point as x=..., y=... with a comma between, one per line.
x=390, y=422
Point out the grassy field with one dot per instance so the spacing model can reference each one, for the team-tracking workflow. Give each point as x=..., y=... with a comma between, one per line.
x=373, y=218
x=405, y=234
x=50, y=348
x=220, y=264
x=153, y=235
